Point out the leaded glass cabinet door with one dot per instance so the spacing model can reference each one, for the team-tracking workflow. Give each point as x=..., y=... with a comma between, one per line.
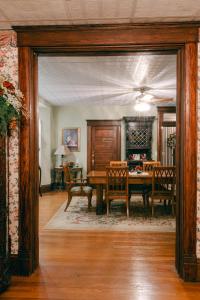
x=4, y=232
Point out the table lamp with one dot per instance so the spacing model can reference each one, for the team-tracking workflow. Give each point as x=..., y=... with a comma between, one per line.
x=62, y=150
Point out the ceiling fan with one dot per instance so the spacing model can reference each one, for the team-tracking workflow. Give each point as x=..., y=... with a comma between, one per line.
x=151, y=95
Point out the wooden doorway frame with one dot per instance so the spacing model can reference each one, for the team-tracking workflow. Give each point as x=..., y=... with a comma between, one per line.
x=179, y=38
x=161, y=111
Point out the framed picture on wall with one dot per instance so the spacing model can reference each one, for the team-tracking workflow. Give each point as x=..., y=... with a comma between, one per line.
x=71, y=138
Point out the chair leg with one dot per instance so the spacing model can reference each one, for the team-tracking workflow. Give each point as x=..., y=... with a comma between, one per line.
x=89, y=201
x=152, y=207
x=147, y=200
x=144, y=200
x=108, y=206
x=173, y=206
x=127, y=207
x=68, y=202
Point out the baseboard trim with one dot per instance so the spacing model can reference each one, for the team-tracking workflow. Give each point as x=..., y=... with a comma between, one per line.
x=190, y=268
x=198, y=269
x=45, y=188
x=20, y=266
x=15, y=266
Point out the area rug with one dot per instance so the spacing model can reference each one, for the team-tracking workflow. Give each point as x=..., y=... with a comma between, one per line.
x=77, y=217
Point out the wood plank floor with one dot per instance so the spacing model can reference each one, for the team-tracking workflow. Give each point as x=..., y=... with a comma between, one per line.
x=101, y=265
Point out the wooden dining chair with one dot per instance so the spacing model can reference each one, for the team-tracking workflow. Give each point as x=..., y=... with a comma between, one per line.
x=118, y=163
x=117, y=186
x=163, y=186
x=149, y=165
x=141, y=189
x=76, y=187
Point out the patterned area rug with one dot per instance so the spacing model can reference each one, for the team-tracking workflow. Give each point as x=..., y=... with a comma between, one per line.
x=77, y=217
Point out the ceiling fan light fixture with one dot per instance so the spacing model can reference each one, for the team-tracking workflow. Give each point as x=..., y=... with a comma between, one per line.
x=147, y=97
x=142, y=106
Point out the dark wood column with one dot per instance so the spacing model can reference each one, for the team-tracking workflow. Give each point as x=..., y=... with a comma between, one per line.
x=161, y=111
x=187, y=161
x=4, y=236
x=28, y=221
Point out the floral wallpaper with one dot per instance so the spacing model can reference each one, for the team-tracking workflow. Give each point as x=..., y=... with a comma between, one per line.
x=9, y=66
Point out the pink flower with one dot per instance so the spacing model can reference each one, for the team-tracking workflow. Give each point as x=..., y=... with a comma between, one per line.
x=8, y=85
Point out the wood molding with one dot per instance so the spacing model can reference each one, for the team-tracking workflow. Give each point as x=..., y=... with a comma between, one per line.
x=198, y=270
x=190, y=268
x=29, y=186
x=161, y=111
x=103, y=122
x=166, y=109
x=84, y=35
x=188, y=167
x=113, y=40
x=169, y=123
x=15, y=265
x=139, y=119
x=4, y=238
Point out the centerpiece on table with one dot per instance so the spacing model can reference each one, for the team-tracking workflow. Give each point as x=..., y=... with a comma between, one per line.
x=11, y=105
x=138, y=169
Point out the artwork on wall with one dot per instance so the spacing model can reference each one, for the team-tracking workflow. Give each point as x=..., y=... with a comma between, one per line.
x=71, y=138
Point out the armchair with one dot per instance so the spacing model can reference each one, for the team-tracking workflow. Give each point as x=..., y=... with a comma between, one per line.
x=76, y=187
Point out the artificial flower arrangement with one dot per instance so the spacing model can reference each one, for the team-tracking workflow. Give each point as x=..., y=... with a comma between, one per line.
x=138, y=169
x=11, y=104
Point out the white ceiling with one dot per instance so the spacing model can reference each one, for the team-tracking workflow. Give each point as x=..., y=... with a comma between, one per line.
x=106, y=79
x=61, y=12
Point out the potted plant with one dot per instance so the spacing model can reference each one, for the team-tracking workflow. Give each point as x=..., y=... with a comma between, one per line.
x=11, y=105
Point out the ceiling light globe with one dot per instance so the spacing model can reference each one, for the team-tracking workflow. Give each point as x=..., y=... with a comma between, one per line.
x=142, y=106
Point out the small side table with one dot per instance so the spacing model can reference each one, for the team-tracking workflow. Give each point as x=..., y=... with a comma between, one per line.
x=58, y=176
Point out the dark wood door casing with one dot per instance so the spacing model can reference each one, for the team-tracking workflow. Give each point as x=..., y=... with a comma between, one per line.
x=112, y=40
x=103, y=143
x=28, y=172
x=4, y=234
x=161, y=111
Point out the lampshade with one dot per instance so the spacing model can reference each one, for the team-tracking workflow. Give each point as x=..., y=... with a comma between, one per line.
x=62, y=150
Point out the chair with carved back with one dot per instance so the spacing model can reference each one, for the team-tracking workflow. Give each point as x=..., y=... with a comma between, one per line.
x=149, y=165
x=163, y=186
x=141, y=189
x=76, y=187
x=117, y=186
x=118, y=163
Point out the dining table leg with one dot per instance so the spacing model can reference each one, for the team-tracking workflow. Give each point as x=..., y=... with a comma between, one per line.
x=100, y=205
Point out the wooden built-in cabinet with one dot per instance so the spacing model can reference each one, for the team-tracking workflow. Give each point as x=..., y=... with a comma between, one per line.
x=138, y=139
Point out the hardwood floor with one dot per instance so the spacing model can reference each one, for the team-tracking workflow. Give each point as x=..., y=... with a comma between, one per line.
x=101, y=265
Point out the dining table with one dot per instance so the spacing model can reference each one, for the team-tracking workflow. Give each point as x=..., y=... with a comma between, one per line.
x=98, y=178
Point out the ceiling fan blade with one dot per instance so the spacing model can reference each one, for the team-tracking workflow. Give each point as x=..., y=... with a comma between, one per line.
x=162, y=100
